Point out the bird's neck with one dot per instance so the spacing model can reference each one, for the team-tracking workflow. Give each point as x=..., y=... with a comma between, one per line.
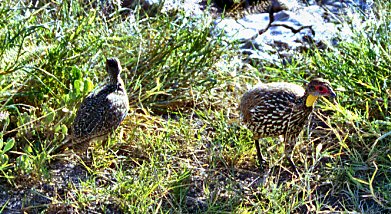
x=120, y=84
x=114, y=80
x=309, y=100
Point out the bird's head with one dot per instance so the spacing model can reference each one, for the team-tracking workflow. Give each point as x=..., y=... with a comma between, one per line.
x=113, y=67
x=316, y=88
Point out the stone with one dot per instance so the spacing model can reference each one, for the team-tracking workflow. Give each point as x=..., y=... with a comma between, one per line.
x=298, y=29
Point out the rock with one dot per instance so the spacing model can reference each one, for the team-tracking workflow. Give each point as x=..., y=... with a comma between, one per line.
x=340, y=7
x=295, y=30
x=255, y=21
x=245, y=29
x=191, y=7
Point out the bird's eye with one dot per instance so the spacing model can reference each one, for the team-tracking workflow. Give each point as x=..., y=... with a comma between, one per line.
x=321, y=89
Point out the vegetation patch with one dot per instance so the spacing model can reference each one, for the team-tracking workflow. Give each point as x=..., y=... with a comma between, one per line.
x=182, y=147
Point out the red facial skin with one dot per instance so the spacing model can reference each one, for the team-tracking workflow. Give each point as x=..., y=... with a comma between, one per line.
x=321, y=89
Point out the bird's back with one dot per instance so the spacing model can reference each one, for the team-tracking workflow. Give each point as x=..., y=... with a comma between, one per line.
x=100, y=113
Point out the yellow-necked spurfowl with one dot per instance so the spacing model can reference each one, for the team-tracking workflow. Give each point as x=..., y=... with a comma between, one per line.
x=103, y=110
x=281, y=109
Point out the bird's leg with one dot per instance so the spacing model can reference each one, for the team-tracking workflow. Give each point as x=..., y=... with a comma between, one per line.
x=290, y=160
x=289, y=154
x=261, y=160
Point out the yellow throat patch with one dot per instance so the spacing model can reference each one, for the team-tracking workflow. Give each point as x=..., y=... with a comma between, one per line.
x=310, y=100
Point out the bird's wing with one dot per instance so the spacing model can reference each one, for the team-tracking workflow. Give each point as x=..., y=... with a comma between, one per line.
x=271, y=103
x=87, y=118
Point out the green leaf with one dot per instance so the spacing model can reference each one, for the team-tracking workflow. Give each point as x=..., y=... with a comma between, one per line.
x=88, y=85
x=78, y=84
x=76, y=73
x=64, y=129
x=4, y=159
x=57, y=128
x=29, y=149
x=9, y=145
x=65, y=98
x=50, y=115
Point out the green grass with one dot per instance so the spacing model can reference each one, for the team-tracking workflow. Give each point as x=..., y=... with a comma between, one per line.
x=182, y=147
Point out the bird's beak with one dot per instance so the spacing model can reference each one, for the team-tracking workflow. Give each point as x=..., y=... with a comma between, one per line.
x=332, y=94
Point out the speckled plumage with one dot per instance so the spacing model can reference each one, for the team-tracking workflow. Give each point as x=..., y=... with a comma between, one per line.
x=246, y=7
x=103, y=110
x=279, y=108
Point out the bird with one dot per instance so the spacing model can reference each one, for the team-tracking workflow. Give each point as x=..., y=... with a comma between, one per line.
x=240, y=9
x=281, y=109
x=102, y=111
